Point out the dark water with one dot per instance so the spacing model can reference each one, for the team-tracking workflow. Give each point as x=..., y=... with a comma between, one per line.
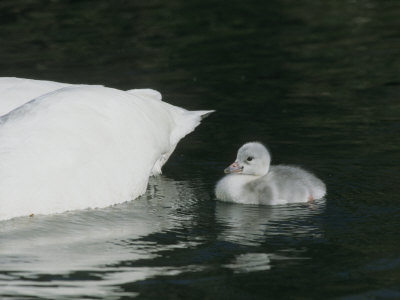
x=317, y=81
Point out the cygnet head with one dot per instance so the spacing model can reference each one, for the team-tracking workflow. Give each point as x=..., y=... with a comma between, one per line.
x=252, y=159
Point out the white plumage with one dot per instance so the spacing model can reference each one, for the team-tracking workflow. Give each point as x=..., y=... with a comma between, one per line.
x=84, y=147
x=251, y=180
x=16, y=91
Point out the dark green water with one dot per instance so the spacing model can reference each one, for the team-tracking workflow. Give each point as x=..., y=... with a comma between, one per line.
x=317, y=81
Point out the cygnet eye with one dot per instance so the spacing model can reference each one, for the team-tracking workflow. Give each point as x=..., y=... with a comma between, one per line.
x=250, y=158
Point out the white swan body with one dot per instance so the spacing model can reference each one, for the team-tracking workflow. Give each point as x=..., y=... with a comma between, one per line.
x=253, y=181
x=16, y=91
x=84, y=147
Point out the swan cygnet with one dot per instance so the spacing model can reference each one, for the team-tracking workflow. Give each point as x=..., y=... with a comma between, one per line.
x=251, y=180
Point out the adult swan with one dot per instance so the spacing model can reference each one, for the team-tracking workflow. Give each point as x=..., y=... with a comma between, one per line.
x=84, y=147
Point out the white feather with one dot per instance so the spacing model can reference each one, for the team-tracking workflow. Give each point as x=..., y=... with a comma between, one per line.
x=16, y=91
x=84, y=147
x=146, y=93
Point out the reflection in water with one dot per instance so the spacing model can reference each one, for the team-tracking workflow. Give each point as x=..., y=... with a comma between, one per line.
x=87, y=244
x=262, y=227
x=250, y=262
x=252, y=225
x=96, y=252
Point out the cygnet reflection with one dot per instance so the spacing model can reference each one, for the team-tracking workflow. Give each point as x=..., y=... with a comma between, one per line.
x=251, y=225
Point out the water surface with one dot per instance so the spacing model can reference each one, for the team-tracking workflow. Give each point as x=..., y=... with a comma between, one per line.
x=317, y=82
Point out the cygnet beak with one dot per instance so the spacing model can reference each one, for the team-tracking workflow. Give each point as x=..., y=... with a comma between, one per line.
x=233, y=168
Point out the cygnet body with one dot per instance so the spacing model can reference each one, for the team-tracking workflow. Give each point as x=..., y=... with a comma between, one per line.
x=251, y=180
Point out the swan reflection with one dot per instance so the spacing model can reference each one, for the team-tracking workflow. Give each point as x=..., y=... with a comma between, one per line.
x=96, y=241
x=250, y=262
